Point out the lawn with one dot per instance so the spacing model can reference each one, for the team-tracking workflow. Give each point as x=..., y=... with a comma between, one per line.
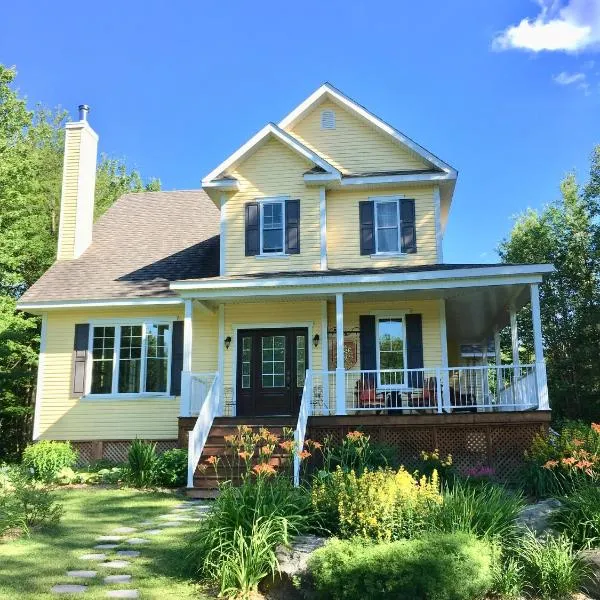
x=30, y=566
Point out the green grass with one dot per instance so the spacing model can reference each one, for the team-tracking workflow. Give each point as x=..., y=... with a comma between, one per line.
x=30, y=566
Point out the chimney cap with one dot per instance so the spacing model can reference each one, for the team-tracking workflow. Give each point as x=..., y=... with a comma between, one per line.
x=84, y=109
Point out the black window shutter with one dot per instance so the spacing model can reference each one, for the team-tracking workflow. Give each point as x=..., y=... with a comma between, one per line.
x=409, y=229
x=80, y=350
x=176, y=357
x=414, y=348
x=252, y=224
x=366, y=210
x=368, y=357
x=292, y=226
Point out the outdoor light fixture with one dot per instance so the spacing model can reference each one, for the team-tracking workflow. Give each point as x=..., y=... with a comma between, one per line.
x=316, y=339
x=227, y=342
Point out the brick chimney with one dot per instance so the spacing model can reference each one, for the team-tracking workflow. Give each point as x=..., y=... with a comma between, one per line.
x=78, y=185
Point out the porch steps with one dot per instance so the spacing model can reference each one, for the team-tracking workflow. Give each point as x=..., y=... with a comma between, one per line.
x=206, y=480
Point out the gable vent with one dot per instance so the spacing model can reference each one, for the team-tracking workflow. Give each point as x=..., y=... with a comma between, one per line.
x=328, y=119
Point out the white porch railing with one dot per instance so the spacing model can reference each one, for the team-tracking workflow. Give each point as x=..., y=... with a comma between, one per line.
x=300, y=432
x=209, y=405
x=460, y=389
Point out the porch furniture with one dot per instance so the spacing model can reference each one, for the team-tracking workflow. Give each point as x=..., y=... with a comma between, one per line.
x=368, y=397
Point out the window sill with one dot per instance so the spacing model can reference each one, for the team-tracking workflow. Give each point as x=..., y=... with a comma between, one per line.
x=119, y=397
x=387, y=254
x=273, y=255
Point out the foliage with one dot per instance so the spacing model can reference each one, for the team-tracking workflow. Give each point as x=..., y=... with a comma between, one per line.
x=171, y=468
x=487, y=511
x=508, y=579
x=31, y=162
x=25, y=504
x=67, y=476
x=432, y=461
x=558, y=464
x=357, y=452
x=382, y=505
x=551, y=569
x=566, y=233
x=579, y=516
x=435, y=567
x=141, y=463
x=46, y=458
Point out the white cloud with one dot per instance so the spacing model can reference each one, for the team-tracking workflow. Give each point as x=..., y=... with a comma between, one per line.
x=565, y=78
x=569, y=26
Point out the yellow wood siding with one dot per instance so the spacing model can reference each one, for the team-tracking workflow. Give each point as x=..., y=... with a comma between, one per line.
x=273, y=170
x=343, y=235
x=354, y=146
x=68, y=209
x=65, y=417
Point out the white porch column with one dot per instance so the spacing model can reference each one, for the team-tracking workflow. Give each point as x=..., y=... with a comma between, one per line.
x=445, y=372
x=514, y=338
x=340, y=380
x=498, y=353
x=221, y=358
x=538, y=344
x=323, y=219
x=325, y=357
x=485, y=380
x=186, y=400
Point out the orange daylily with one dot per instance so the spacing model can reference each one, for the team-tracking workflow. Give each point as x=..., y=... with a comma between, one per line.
x=304, y=454
x=551, y=464
x=244, y=455
x=354, y=435
x=264, y=469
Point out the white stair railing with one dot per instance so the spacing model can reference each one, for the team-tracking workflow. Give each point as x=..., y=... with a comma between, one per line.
x=209, y=409
x=300, y=433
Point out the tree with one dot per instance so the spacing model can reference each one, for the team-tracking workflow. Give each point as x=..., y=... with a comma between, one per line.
x=566, y=233
x=31, y=158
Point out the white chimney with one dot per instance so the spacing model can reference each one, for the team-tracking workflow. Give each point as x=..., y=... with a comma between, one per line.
x=78, y=186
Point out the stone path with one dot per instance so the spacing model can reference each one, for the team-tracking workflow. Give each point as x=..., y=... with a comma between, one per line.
x=188, y=511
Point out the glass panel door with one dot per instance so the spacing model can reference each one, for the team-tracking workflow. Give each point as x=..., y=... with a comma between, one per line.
x=273, y=371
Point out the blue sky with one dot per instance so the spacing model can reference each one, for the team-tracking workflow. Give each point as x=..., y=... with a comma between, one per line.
x=506, y=91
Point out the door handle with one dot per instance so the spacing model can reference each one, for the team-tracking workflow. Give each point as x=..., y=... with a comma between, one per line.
x=288, y=379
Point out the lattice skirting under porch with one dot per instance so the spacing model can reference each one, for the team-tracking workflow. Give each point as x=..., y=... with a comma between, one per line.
x=114, y=450
x=497, y=440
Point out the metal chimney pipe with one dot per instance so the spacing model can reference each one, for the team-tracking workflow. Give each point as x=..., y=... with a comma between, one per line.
x=84, y=109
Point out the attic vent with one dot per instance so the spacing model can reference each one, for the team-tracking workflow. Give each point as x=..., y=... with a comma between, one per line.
x=328, y=119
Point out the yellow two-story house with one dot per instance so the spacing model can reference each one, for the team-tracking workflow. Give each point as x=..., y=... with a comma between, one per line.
x=303, y=285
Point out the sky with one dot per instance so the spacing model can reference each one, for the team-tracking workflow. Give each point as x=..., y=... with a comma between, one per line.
x=506, y=91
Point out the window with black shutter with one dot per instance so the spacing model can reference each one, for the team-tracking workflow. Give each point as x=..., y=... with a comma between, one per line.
x=272, y=227
x=387, y=226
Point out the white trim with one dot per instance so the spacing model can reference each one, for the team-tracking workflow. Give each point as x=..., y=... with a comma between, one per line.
x=46, y=305
x=223, y=237
x=224, y=185
x=388, y=315
x=221, y=354
x=127, y=397
x=390, y=179
x=387, y=200
x=340, y=378
x=438, y=224
x=325, y=354
x=319, y=178
x=328, y=90
x=323, y=220
x=187, y=335
x=283, y=136
x=107, y=322
x=444, y=377
x=39, y=387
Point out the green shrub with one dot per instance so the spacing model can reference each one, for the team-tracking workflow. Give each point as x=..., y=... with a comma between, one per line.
x=435, y=567
x=141, y=463
x=381, y=505
x=46, y=458
x=171, y=468
x=508, y=579
x=357, y=453
x=432, y=461
x=112, y=475
x=552, y=570
x=579, y=517
x=486, y=510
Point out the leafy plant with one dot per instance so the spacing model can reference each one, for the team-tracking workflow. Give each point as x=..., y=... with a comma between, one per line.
x=141, y=463
x=579, y=517
x=508, y=579
x=46, y=458
x=434, y=567
x=171, y=468
x=432, y=461
x=487, y=511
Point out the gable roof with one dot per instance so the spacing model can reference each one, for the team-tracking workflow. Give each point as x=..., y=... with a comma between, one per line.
x=328, y=91
x=269, y=130
x=141, y=244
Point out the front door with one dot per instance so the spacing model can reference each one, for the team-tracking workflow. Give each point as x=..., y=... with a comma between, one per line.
x=271, y=366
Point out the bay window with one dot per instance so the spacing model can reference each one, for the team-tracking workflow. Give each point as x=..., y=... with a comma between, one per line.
x=130, y=359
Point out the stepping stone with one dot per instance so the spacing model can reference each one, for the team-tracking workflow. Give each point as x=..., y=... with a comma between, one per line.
x=117, y=579
x=109, y=538
x=130, y=553
x=182, y=510
x=116, y=564
x=92, y=557
x=181, y=518
x=106, y=546
x=135, y=541
x=124, y=530
x=152, y=532
x=82, y=574
x=146, y=523
x=123, y=594
x=171, y=524
x=68, y=588
x=167, y=517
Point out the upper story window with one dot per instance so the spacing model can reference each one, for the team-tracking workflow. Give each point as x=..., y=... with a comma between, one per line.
x=272, y=232
x=387, y=226
x=130, y=358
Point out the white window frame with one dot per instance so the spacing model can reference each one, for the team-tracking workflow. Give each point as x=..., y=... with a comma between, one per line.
x=381, y=200
x=261, y=203
x=118, y=324
x=383, y=317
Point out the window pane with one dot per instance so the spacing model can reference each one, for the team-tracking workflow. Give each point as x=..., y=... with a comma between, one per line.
x=387, y=240
x=387, y=214
x=273, y=240
x=102, y=360
x=272, y=227
x=273, y=361
x=391, y=350
x=130, y=359
x=246, y=361
x=157, y=357
x=300, y=360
